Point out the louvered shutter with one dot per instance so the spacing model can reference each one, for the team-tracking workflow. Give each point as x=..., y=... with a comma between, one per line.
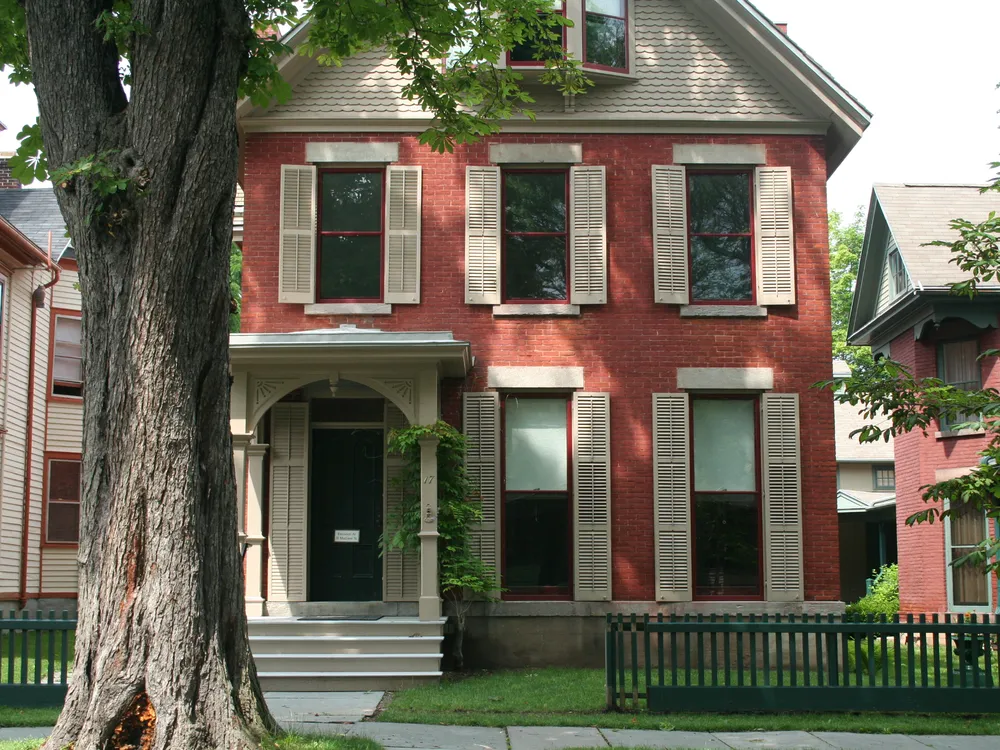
x=297, y=230
x=592, y=495
x=402, y=567
x=670, y=235
x=782, y=497
x=588, y=236
x=482, y=235
x=289, y=503
x=672, y=496
x=402, y=236
x=775, y=240
x=481, y=418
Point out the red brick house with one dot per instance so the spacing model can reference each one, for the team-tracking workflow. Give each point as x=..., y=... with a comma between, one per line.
x=903, y=308
x=623, y=303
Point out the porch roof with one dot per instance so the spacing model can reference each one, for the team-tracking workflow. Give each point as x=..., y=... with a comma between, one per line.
x=354, y=345
x=862, y=501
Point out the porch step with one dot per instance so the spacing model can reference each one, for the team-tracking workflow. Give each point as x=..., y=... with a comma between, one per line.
x=348, y=644
x=305, y=663
x=297, y=682
x=387, y=626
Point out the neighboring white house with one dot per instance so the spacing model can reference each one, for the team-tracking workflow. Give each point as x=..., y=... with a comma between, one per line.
x=866, y=499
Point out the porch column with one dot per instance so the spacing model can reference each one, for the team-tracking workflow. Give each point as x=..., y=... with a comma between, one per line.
x=430, y=597
x=254, y=557
x=240, y=443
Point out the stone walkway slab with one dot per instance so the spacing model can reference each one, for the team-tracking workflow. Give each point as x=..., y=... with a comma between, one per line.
x=848, y=741
x=25, y=733
x=322, y=708
x=430, y=737
x=774, y=741
x=959, y=743
x=669, y=740
x=551, y=738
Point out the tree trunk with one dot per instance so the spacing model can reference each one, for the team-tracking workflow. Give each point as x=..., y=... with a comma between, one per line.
x=162, y=654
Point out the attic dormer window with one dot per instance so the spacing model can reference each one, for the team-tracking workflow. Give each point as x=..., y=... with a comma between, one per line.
x=605, y=37
x=897, y=272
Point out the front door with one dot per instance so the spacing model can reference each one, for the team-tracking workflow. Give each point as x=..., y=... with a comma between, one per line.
x=346, y=516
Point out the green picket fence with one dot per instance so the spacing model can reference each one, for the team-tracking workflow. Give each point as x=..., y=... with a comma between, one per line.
x=762, y=663
x=36, y=655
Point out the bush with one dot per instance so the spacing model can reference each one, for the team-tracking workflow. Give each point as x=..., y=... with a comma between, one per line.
x=884, y=596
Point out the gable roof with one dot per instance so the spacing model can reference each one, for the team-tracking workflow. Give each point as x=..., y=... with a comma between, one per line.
x=35, y=213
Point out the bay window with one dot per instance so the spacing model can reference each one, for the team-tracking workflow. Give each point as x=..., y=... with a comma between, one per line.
x=351, y=210
x=720, y=236
x=537, y=51
x=535, y=235
x=606, y=34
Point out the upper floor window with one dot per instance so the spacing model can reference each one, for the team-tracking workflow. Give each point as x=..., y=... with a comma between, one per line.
x=535, y=235
x=884, y=477
x=67, y=357
x=351, y=210
x=63, y=501
x=720, y=236
x=606, y=34
x=536, y=52
x=958, y=365
x=897, y=273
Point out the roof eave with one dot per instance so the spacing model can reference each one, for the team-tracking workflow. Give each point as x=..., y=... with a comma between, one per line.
x=19, y=246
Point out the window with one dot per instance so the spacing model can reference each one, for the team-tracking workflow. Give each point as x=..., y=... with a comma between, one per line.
x=721, y=236
x=536, y=52
x=726, y=497
x=958, y=365
x=536, y=503
x=67, y=357
x=968, y=585
x=897, y=273
x=883, y=477
x=351, y=209
x=63, y=501
x=535, y=235
x=605, y=37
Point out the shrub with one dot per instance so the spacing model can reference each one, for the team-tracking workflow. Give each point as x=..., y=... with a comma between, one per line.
x=884, y=596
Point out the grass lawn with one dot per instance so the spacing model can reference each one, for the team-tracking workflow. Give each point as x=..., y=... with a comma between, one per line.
x=28, y=717
x=288, y=742
x=576, y=697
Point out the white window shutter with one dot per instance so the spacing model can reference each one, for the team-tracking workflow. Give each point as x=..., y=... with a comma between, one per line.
x=672, y=496
x=782, y=497
x=482, y=235
x=402, y=567
x=775, y=236
x=670, y=235
x=588, y=236
x=402, y=236
x=297, y=230
x=289, y=502
x=592, y=495
x=481, y=419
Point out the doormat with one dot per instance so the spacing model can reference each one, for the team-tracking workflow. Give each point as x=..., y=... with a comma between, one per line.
x=345, y=617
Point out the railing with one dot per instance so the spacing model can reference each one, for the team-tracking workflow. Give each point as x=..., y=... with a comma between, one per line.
x=35, y=659
x=761, y=663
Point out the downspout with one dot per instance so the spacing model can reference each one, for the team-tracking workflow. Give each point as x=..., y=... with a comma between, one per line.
x=37, y=301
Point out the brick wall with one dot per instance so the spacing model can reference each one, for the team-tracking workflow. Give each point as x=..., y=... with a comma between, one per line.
x=629, y=347
x=922, y=565
x=6, y=180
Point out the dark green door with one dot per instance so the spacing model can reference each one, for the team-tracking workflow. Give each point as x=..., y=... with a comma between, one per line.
x=346, y=516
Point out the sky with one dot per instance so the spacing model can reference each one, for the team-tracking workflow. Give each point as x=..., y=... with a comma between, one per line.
x=927, y=72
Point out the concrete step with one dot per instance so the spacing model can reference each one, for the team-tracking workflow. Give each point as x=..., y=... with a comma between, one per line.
x=306, y=663
x=395, y=626
x=297, y=682
x=346, y=644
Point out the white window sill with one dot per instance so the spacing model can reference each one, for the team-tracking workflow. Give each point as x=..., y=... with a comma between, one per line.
x=517, y=311
x=958, y=433
x=723, y=311
x=350, y=308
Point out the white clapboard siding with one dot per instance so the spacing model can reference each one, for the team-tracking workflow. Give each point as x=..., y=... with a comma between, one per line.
x=482, y=235
x=672, y=496
x=59, y=571
x=297, y=248
x=592, y=495
x=289, y=501
x=670, y=235
x=481, y=421
x=402, y=237
x=774, y=236
x=402, y=567
x=65, y=295
x=588, y=236
x=782, y=497
x=64, y=428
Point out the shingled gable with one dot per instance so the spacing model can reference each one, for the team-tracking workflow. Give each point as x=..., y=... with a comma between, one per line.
x=718, y=60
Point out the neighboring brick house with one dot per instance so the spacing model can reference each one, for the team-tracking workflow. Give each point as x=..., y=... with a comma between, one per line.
x=903, y=308
x=42, y=379
x=623, y=303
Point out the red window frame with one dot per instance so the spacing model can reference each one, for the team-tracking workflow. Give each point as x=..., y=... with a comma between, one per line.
x=504, y=234
x=752, y=299
x=548, y=593
x=598, y=66
x=59, y=312
x=760, y=501
x=320, y=234
x=561, y=11
x=51, y=458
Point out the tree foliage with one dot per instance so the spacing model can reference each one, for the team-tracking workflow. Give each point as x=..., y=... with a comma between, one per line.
x=846, y=241
x=883, y=599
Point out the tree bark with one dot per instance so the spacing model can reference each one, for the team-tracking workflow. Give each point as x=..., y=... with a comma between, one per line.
x=162, y=654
